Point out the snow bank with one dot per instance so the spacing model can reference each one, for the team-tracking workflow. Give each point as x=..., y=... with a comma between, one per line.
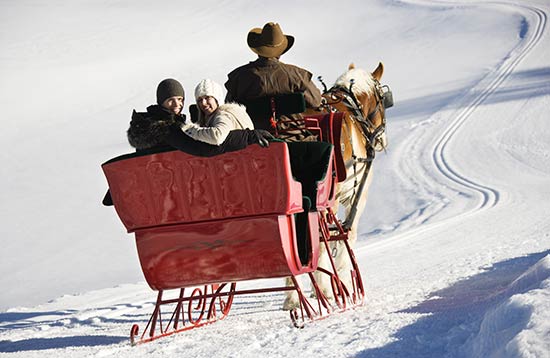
x=519, y=326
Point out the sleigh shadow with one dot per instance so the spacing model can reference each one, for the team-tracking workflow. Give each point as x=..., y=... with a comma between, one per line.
x=39, y=344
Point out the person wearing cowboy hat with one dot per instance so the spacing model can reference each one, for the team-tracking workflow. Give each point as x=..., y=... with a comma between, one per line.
x=267, y=76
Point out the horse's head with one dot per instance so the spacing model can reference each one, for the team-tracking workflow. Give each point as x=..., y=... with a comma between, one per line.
x=360, y=94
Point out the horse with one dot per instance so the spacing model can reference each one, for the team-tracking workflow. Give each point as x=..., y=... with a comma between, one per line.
x=359, y=95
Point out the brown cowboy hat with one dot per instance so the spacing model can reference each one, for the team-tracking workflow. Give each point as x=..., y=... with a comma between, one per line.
x=269, y=41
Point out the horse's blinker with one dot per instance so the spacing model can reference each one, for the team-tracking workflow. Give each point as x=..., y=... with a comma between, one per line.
x=387, y=96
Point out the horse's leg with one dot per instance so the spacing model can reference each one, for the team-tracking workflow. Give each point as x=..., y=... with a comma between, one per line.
x=291, y=301
x=341, y=255
x=322, y=279
x=342, y=259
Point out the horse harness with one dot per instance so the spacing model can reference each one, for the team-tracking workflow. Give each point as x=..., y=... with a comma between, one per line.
x=384, y=100
x=370, y=132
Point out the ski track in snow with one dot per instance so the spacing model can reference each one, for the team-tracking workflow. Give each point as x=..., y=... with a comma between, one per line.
x=489, y=196
x=485, y=195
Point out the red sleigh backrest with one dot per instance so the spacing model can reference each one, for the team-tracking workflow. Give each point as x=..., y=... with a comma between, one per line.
x=174, y=187
x=330, y=127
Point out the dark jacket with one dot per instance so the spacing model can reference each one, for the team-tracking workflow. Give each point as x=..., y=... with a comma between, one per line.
x=267, y=77
x=159, y=127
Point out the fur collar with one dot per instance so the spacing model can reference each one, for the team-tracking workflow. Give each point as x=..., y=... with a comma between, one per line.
x=151, y=128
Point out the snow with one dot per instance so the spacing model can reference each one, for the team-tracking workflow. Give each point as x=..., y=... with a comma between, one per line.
x=454, y=245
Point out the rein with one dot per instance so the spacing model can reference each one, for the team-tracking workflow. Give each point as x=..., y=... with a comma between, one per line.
x=369, y=131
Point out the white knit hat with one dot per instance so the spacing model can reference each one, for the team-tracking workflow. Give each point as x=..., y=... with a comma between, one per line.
x=207, y=87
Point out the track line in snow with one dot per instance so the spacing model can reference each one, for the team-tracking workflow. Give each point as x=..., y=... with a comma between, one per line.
x=438, y=163
x=490, y=196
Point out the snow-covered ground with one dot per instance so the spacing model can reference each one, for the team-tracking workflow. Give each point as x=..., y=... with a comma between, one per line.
x=455, y=242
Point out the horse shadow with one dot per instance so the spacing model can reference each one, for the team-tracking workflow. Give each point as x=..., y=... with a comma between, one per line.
x=454, y=313
x=7, y=317
x=32, y=320
x=23, y=320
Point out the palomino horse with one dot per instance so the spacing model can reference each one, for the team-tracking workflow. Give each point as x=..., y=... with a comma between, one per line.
x=359, y=95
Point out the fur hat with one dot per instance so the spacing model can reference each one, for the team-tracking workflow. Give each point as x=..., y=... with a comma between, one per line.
x=169, y=88
x=269, y=41
x=207, y=87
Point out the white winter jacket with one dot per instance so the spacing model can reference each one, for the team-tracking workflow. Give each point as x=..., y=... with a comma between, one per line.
x=227, y=117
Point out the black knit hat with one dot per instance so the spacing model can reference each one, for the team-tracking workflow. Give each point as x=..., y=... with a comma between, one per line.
x=169, y=88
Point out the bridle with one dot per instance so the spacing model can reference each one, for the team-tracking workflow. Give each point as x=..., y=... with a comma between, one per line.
x=383, y=97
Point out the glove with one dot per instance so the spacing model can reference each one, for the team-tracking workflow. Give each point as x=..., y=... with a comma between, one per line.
x=261, y=137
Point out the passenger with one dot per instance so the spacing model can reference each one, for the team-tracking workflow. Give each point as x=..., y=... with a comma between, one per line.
x=161, y=126
x=267, y=76
x=215, y=119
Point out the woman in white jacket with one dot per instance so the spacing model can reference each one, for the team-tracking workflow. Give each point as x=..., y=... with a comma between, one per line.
x=216, y=119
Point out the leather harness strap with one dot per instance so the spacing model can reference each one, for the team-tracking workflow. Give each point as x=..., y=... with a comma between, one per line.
x=371, y=134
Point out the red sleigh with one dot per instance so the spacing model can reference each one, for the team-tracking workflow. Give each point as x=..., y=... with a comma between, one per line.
x=204, y=224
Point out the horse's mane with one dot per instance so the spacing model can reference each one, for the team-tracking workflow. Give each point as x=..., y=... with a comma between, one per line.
x=363, y=80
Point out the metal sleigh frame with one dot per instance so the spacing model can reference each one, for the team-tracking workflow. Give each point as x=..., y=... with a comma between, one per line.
x=242, y=227
x=207, y=304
